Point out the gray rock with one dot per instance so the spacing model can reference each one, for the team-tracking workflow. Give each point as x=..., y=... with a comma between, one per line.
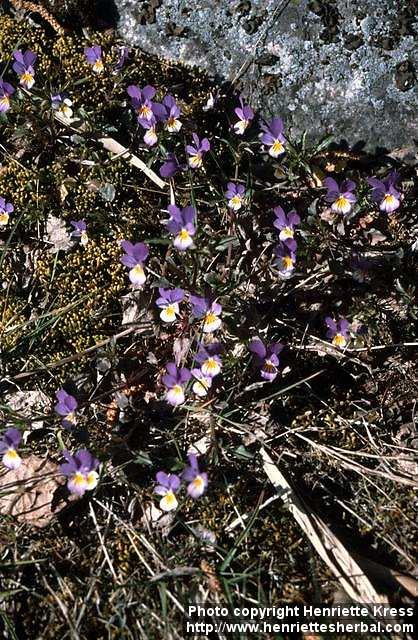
x=343, y=67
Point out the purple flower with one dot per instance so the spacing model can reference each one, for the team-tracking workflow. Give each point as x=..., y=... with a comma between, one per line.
x=80, y=231
x=285, y=254
x=6, y=208
x=123, y=57
x=202, y=383
x=62, y=104
x=142, y=101
x=170, y=167
x=272, y=137
x=168, y=485
x=150, y=138
x=197, y=151
x=341, y=196
x=94, y=57
x=134, y=258
x=6, y=90
x=198, y=480
x=23, y=66
x=173, y=112
x=169, y=303
x=235, y=195
x=285, y=223
x=209, y=311
x=66, y=408
x=338, y=332
x=175, y=381
x=209, y=359
x=245, y=115
x=8, y=448
x=80, y=470
x=266, y=357
x=181, y=225
x=384, y=192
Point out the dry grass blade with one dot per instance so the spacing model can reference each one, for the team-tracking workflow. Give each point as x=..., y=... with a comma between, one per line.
x=116, y=148
x=354, y=582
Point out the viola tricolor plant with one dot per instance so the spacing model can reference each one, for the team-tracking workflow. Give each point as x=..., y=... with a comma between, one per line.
x=285, y=257
x=245, y=116
x=80, y=231
x=168, y=302
x=6, y=91
x=66, y=408
x=94, y=57
x=80, y=469
x=209, y=359
x=63, y=105
x=266, y=357
x=202, y=383
x=341, y=197
x=171, y=166
x=175, y=380
x=285, y=224
x=272, y=137
x=9, y=444
x=182, y=225
x=6, y=208
x=173, y=112
x=197, y=480
x=209, y=311
x=385, y=193
x=24, y=67
x=168, y=485
x=197, y=151
x=338, y=332
x=134, y=258
x=235, y=195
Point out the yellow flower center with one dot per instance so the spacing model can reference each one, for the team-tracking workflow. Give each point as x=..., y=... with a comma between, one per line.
x=4, y=101
x=236, y=199
x=196, y=160
x=184, y=234
x=144, y=111
x=98, y=66
x=287, y=232
x=389, y=199
x=339, y=340
x=26, y=77
x=138, y=270
x=211, y=364
x=198, y=482
x=170, y=311
x=341, y=202
x=287, y=262
x=210, y=317
x=170, y=499
x=277, y=146
x=269, y=367
x=177, y=390
x=12, y=454
x=4, y=217
x=78, y=478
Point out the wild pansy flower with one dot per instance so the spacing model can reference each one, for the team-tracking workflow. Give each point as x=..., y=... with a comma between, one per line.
x=93, y=56
x=142, y=101
x=198, y=480
x=169, y=303
x=235, y=195
x=66, y=407
x=209, y=359
x=181, y=225
x=173, y=112
x=175, y=380
x=6, y=90
x=245, y=115
x=341, y=196
x=150, y=138
x=209, y=311
x=267, y=358
x=80, y=470
x=168, y=485
x=171, y=166
x=134, y=258
x=285, y=223
x=285, y=254
x=23, y=66
x=338, y=332
x=272, y=136
x=6, y=208
x=62, y=104
x=8, y=448
x=80, y=231
x=202, y=383
x=197, y=151
x=385, y=193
